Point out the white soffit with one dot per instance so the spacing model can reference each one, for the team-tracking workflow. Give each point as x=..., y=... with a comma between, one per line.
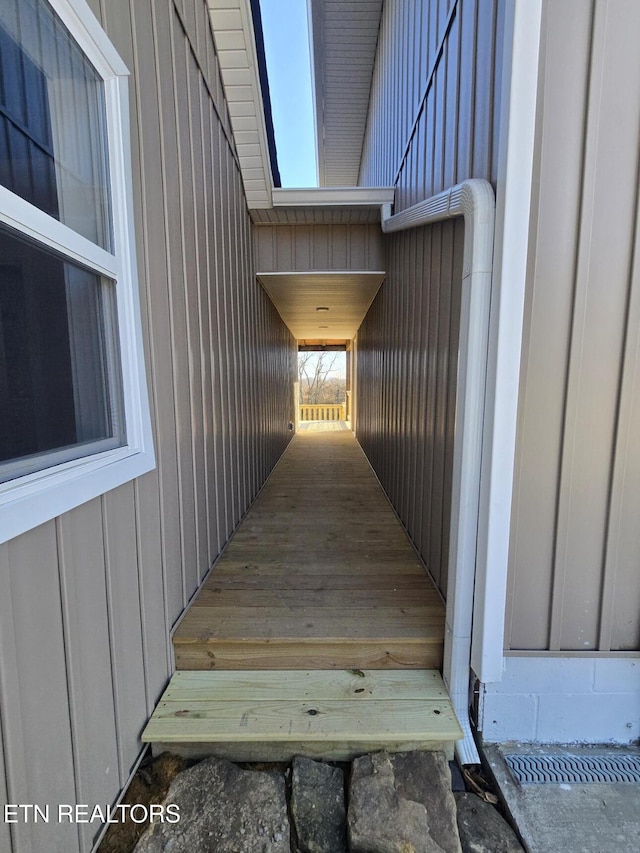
x=233, y=31
x=344, y=37
x=297, y=295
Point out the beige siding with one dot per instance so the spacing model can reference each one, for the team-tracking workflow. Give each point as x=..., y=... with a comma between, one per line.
x=435, y=97
x=574, y=581
x=406, y=362
x=89, y=599
x=432, y=123
x=289, y=248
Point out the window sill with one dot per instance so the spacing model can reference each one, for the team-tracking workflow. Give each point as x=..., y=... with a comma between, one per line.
x=39, y=497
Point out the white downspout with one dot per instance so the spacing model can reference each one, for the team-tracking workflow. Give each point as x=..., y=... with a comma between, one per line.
x=473, y=200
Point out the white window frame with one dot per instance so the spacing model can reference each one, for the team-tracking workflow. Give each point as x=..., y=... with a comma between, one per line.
x=30, y=500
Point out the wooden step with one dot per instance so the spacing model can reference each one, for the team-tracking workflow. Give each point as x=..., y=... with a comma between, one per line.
x=271, y=715
x=310, y=638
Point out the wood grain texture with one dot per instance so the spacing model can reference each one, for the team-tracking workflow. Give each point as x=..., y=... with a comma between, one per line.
x=320, y=574
x=274, y=715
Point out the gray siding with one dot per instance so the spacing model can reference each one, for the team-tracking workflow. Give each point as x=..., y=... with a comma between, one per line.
x=575, y=551
x=435, y=98
x=407, y=355
x=289, y=248
x=434, y=106
x=88, y=599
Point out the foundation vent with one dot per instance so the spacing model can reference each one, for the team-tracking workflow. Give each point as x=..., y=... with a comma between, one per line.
x=573, y=769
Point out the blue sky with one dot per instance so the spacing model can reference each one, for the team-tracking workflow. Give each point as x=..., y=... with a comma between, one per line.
x=286, y=43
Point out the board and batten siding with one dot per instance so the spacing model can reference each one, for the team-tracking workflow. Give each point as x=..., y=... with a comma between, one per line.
x=406, y=358
x=303, y=248
x=433, y=122
x=574, y=583
x=88, y=599
x=434, y=108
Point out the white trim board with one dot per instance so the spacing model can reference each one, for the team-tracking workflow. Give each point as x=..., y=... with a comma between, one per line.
x=332, y=196
x=563, y=700
x=513, y=208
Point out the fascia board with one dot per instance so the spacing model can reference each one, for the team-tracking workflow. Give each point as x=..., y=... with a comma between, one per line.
x=333, y=197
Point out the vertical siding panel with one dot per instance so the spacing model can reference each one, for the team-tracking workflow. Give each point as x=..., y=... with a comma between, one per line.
x=234, y=302
x=285, y=248
x=124, y=608
x=433, y=481
x=39, y=767
x=484, y=79
x=88, y=656
x=248, y=281
x=498, y=70
x=264, y=248
x=153, y=265
x=407, y=367
x=303, y=247
x=429, y=149
x=226, y=353
x=452, y=51
x=235, y=375
x=415, y=521
x=457, y=131
x=567, y=36
x=167, y=71
x=189, y=17
x=575, y=551
x=151, y=527
x=195, y=250
x=184, y=309
x=203, y=186
x=152, y=582
x=466, y=103
x=611, y=155
x=321, y=248
x=338, y=242
x=620, y=626
x=5, y=831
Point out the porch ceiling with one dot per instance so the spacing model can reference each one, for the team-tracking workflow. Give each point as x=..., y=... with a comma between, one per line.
x=347, y=295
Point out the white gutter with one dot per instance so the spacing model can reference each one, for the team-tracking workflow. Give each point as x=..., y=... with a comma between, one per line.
x=473, y=200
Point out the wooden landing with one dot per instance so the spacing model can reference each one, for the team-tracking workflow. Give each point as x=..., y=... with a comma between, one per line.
x=319, y=575
x=275, y=715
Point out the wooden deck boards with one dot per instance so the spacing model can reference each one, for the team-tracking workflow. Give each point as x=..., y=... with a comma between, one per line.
x=263, y=716
x=319, y=575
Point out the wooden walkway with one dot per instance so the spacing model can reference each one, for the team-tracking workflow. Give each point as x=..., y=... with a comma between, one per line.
x=319, y=575
x=318, y=631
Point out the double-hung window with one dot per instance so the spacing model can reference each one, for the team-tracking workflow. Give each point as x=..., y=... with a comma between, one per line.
x=74, y=418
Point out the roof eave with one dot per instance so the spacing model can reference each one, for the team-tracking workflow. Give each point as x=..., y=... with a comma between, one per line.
x=235, y=37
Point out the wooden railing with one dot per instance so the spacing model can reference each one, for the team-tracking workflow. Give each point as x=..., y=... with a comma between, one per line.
x=323, y=412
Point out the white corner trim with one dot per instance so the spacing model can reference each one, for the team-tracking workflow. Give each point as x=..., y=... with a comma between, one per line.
x=513, y=207
x=473, y=200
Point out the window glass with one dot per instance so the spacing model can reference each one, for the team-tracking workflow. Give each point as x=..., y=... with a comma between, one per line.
x=53, y=140
x=60, y=386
